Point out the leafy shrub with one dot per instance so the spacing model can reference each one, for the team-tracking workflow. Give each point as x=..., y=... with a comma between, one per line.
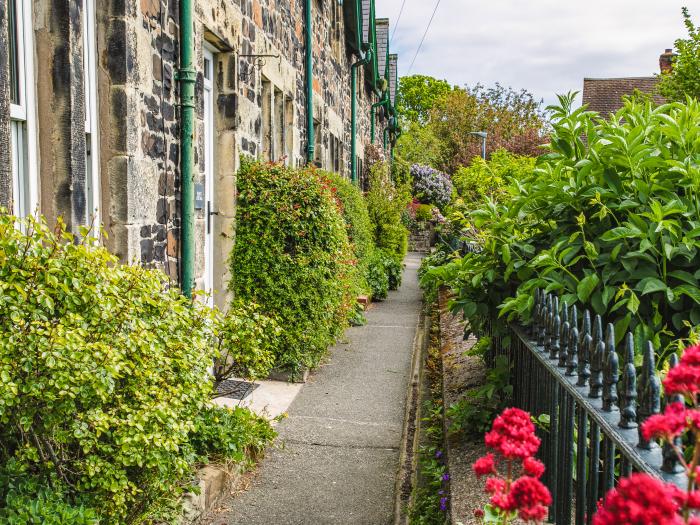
x=377, y=276
x=245, y=342
x=358, y=223
x=431, y=186
x=293, y=258
x=386, y=203
x=609, y=220
x=230, y=434
x=394, y=270
x=488, y=179
x=103, y=369
x=424, y=213
x=30, y=503
x=684, y=80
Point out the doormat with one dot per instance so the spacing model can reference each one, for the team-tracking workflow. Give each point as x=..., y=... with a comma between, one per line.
x=235, y=389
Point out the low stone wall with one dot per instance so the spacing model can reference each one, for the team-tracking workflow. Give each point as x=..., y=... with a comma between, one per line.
x=421, y=240
x=216, y=482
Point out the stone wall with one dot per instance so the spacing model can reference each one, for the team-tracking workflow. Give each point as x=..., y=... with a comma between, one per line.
x=260, y=110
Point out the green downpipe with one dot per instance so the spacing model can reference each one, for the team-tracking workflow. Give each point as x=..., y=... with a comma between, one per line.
x=311, y=138
x=382, y=102
x=353, y=113
x=187, y=76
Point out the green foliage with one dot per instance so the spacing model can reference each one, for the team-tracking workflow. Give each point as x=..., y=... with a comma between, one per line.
x=230, y=434
x=377, y=276
x=103, y=370
x=418, y=144
x=424, y=212
x=358, y=223
x=488, y=179
x=474, y=413
x=610, y=219
x=30, y=503
x=386, y=202
x=417, y=95
x=684, y=79
x=245, y=342
x=293, y=258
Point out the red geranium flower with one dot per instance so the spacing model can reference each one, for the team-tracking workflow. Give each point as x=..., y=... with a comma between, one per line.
x=533, y=467
x=531, y=498
x=639, y=500
x=485, y=466
x=668, y=425
x=513, y=435
x=683, y=379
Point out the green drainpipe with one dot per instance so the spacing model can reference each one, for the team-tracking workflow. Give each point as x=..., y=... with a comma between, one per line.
x=187, y=76
x=382, y=102
x=311, y=139
x=353, y=117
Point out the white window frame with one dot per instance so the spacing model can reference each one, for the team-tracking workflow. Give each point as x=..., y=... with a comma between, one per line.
x=210, y=214
x=25, y=183
x=92, y=142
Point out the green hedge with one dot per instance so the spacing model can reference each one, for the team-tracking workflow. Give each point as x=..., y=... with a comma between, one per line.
x=103, y=379
x=386, y=201
x=293, y=258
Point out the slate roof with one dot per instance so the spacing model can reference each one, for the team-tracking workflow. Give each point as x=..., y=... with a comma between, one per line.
x=604, y=95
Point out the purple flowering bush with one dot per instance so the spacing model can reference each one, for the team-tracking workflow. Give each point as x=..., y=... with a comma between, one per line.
x=431, y=186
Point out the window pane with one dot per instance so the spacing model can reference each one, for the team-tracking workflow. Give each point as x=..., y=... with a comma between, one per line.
x=14, y=64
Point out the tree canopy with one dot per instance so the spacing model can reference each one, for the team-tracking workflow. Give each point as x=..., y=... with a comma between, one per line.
x=417, y=95
x=684, y=79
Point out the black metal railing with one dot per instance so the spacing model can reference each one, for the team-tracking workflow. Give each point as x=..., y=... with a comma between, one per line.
x=570, y=370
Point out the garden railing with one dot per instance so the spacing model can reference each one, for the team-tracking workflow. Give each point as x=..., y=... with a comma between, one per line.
x=570, y=369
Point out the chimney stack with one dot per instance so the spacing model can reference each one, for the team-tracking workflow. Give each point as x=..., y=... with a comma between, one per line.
x=666, y=61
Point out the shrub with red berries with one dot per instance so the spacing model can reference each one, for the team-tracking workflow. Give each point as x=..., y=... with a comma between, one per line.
x=513, y=440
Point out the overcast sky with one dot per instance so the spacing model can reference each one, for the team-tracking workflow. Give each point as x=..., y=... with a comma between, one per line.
x=545, y=46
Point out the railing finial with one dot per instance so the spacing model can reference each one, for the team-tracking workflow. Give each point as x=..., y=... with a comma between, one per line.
x=564, y=333
x=585, y=350
x=611, y=365
x=649, y=392
x=628, y=407
x=596, y=382
x=572, y=355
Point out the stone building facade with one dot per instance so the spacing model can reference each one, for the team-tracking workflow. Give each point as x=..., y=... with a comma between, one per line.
x=89, y=111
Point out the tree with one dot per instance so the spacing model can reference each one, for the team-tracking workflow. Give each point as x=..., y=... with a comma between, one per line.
x=514, y=121
x=684, y=78
x=417, y=95
x=419, y=145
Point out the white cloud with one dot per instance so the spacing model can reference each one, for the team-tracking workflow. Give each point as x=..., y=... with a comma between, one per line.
x=545, y=46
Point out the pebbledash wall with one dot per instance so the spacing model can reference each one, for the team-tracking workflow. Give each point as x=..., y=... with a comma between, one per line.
x=89, y=115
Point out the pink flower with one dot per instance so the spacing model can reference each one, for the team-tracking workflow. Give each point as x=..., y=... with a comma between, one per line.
x=668, y=425
x=683, y=379
x=531, y=498
x=485, y=466
x=533, y=467
x=513, y=435
x=639, y=500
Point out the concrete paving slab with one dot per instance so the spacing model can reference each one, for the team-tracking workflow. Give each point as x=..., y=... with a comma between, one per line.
x=270, y=399
x=338, y=453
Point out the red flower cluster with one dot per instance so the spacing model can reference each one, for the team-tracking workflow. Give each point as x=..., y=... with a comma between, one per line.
x=513, y=435
x=685, y=378
x=513, y=438
x=669, y=425
x=640, y=500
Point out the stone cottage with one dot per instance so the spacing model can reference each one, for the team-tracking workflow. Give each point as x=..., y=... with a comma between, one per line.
x=92, y=97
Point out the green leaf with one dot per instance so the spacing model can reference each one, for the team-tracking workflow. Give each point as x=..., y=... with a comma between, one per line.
x=586, y=286
x=633, y=303
x=650, y=285
x=689, y=291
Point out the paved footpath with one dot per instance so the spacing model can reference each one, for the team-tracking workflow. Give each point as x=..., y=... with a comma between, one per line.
x=337, y=457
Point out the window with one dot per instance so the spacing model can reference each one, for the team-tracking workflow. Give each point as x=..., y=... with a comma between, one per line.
x=278, y=143
x=267, y=142
x=288, y=130
x=92, y=166
x=336, y=154
x=25, y=191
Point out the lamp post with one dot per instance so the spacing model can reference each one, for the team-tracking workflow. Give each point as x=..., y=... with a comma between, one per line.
x=483, y=136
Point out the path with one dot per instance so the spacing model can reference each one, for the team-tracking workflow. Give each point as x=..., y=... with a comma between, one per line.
x=339, y=453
